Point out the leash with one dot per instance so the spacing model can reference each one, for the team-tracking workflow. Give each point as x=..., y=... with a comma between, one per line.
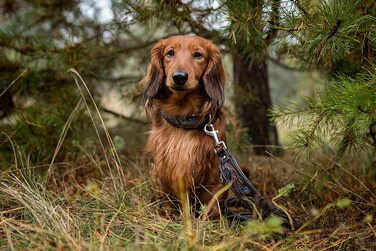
x=240, y=209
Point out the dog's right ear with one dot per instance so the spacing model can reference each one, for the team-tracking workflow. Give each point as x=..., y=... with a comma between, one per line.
x=153, y=80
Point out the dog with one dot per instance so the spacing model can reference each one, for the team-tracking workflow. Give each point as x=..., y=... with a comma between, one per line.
x=183, y=91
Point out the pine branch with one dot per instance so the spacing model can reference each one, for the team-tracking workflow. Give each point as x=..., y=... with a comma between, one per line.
x=273, y=21
x=196, y=27
x=23, y=50
x=119, y=115
x=343, y=113
x=284, y=66
x=335, y=29
x=128, y=49
x=131, y=78
x=300, y=7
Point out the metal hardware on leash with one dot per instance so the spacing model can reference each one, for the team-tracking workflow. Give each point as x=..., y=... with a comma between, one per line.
x=242, y=187
x=210, y=130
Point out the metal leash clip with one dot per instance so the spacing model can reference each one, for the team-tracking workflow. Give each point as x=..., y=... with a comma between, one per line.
x=247, y=196
x=210, y=130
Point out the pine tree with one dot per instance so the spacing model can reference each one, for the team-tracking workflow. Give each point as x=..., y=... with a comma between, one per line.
x=39, y=42
x=252, y=29
x=337, y=38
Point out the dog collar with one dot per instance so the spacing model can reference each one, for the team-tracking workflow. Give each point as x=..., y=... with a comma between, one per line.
x=188, y=122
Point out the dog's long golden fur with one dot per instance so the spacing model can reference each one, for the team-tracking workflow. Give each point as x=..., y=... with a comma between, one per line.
x=180, y=154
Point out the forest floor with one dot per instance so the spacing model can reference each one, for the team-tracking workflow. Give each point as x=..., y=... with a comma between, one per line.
x=89, y=202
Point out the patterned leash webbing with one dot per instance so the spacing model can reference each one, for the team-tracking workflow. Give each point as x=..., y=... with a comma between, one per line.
x=247, y=196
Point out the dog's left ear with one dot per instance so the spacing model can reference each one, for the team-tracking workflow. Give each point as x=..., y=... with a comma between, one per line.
x=215, y=76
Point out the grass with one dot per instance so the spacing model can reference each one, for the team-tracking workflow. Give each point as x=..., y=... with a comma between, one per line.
x=103, y=201
x=91, y=211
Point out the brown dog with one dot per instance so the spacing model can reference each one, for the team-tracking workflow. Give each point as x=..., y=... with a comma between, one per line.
x=183, y=90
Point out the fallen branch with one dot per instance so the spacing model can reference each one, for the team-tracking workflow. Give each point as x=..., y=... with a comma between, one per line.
x=119, y=115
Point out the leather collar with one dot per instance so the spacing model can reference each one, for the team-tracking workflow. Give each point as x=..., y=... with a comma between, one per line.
x=188, y=122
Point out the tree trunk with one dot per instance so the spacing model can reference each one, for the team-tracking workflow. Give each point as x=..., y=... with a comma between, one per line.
x=252, y=101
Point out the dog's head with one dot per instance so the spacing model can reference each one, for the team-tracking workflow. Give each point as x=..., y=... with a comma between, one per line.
x=182, y=64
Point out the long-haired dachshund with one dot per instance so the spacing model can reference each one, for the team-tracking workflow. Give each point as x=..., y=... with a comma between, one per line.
x=183, y=91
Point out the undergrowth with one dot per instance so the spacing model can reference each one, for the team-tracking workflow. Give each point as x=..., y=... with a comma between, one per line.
x=103, y=201
x=91, y=211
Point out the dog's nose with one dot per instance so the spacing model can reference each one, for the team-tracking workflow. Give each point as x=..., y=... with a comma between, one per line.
x=180, y=77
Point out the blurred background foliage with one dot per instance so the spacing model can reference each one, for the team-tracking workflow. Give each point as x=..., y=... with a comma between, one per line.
x=276, y=52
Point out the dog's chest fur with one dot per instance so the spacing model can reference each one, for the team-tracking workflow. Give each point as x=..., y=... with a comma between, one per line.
x=182, y=155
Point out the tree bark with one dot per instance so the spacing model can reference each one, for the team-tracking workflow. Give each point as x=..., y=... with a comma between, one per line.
x=252, y=101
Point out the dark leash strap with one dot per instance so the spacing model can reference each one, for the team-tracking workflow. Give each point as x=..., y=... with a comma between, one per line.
x=247, y=196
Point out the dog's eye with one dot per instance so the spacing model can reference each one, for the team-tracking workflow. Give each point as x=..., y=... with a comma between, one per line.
x=170, y=53
x=197, y=55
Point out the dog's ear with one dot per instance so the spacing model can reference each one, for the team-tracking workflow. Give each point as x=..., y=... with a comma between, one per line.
x=153, y=80
x=215, y=76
